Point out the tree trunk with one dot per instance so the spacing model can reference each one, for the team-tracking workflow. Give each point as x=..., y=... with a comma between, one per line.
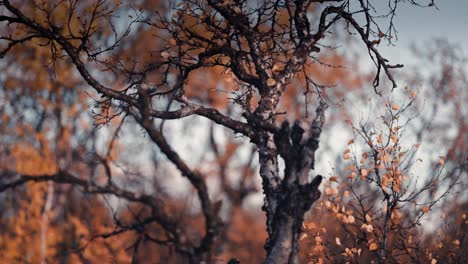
x=288, y=199
x=295, y=201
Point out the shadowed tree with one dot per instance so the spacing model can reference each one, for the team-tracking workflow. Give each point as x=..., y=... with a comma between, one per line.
x=261, y=46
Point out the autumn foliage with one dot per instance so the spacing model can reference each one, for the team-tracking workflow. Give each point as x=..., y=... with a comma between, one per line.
x=225, y=132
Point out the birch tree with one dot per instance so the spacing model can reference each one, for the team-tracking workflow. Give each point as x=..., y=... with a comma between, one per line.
x=261, y=46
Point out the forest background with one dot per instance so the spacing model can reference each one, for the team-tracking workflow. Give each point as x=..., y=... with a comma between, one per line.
x=233, y=131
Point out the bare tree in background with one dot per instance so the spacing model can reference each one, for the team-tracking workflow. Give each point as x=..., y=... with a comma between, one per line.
x=260, y=45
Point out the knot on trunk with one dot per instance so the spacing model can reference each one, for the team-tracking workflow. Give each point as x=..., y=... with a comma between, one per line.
x=288, y=140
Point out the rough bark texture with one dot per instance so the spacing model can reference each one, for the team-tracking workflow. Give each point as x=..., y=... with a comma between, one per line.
x=263, y=54
x=287, y=203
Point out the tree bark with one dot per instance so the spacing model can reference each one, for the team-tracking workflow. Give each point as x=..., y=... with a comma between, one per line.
x=288, y=199
x=282, y=246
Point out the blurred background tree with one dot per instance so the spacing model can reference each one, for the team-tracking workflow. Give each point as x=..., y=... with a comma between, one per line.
x=117, y=123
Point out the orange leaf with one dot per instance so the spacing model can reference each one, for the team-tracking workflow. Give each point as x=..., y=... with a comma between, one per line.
x=165, y=54
x=441, y=161
x=338, y=242
x=425, y=209
x=364, y=172
x=271, y=82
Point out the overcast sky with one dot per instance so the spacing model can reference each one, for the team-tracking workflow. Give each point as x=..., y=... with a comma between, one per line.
x=419, y=25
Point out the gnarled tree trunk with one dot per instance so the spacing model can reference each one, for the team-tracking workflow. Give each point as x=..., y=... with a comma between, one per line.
x=289, y=198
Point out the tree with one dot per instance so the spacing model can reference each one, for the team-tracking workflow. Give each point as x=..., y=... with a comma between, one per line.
x=259, y=47
x=387, y=201
x=380, y=201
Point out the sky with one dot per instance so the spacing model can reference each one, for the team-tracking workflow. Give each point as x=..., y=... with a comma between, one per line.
x=415, y=25
x=418, y=25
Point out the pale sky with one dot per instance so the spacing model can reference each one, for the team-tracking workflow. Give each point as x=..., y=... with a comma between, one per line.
x=415, y=26
x=419, y=25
